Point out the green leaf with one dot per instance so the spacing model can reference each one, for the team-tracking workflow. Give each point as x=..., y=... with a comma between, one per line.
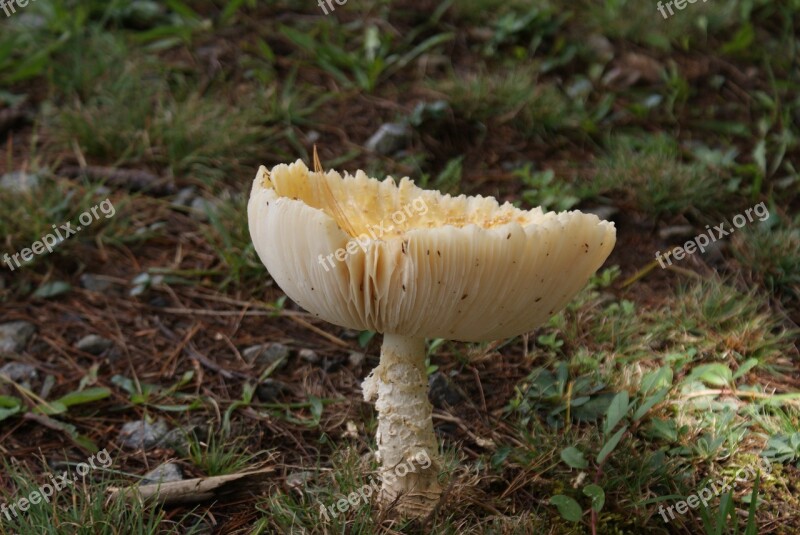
x=500, y=456
x=567, y=507
x=86, y=396
x=8, y=413
x=574, y=457
x=9, y=402
x=741, y=41
x=610, y=444
x=746, y=366
x=616, y=411
x=179, y=408
x=364, y=337
x=657, y=379
x=714, y=374
x=316, y=407
x=52, y=289
x=598, y=496
x=230, y=10
x=649, y=403
x=52, y=407
x=752, y=526
x=301, y=39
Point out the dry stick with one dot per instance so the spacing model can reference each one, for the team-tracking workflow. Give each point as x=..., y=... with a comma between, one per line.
x=198, y=489
x=131, y=179
x=295, y=316
x=326, y=335
x=194, y=354
x=296, y=319
x=639, y=274
x=736, y=393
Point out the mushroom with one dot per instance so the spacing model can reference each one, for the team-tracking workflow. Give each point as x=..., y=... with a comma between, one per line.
x=415, y=264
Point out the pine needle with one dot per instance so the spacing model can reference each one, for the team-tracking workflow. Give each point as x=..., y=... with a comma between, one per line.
x=338, y=214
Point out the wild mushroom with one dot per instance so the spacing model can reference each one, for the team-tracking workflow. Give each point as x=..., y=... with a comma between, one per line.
x=415, y=264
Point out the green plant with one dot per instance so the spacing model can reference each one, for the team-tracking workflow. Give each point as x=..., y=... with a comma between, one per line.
x=83, y=508
x=511, y=96
x=543, y=190
x=217, y=455
x=30, y=403
x=376, y=60
x=726, y=510
x=772, y=256
x=784, y=448
x=649, y=174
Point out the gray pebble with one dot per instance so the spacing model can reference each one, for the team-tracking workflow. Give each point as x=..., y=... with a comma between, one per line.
x=389, y=138
x=163, y=474
x=94, y=344
x=264, y=355
x=15, y=335
x=269, y=390
x=19, y=372
x=142, y=434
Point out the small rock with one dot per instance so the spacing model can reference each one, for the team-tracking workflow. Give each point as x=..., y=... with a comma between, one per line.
x=389, y=138
x=94, y=283
x=19, y=182
x=158, y=301
x=142, y=14
x=94, y=344
x=356, y=359
x=163, y=474
x=142, y=434
x=19, y=372
x=677, y=231
x=14, y=335
x=442, y=392
x=184, y=197
x=270, y=389
x=631, y=68
x=201, y=208
x=601, y=47
x=309, y=356
x=264, y=355
x=177, y=439
x=351, y=430
x=299, y=479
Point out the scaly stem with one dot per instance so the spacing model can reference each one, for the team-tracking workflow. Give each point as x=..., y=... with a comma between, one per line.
x=407, y=448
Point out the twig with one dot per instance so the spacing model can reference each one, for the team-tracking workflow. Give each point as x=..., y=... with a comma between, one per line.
x=131, y=179
x=194, y=354
x=641, y=273
x=196, y=490
x=326, y=335
x=737, y=393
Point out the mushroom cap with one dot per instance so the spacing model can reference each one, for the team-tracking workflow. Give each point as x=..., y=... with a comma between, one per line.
x=394, y=258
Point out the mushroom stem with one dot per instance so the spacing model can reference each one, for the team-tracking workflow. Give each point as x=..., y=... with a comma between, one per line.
x=407, y=448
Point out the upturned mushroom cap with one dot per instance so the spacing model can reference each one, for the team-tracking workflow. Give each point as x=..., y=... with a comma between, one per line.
x=416, y=262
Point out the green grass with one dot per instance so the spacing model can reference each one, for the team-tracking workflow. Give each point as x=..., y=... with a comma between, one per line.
x=81, y=508
x=135, y=117
x=772, y=257
x=649, y=385
x=510, y=97
x=648, y=172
